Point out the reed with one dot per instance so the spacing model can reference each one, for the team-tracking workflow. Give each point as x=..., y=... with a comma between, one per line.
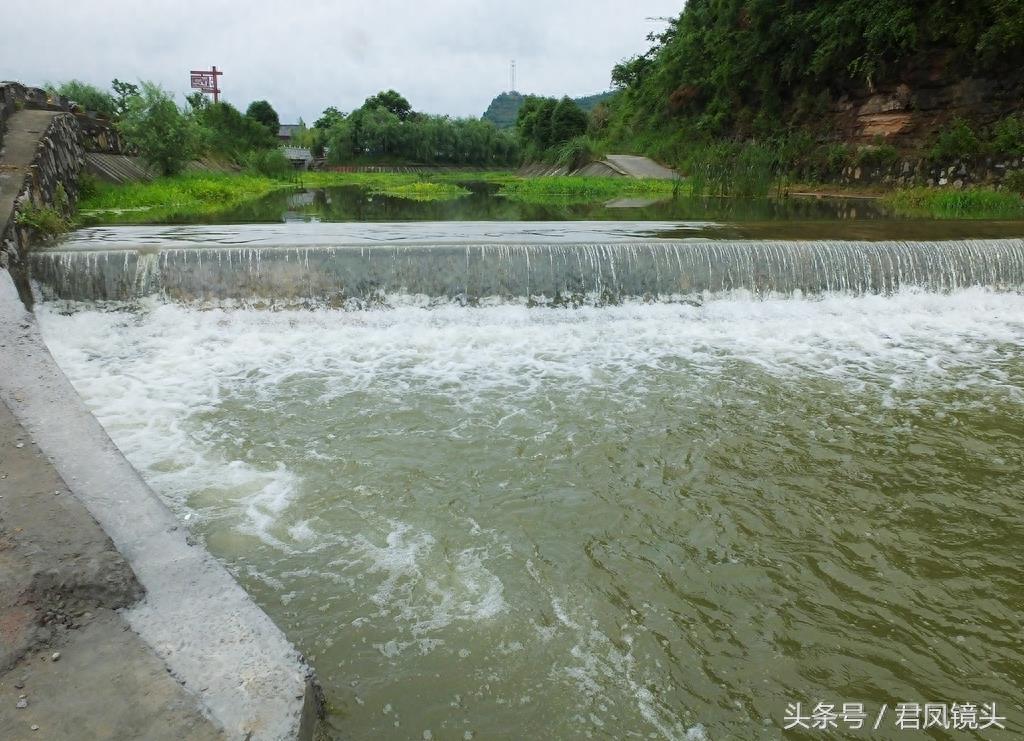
x=971, y=203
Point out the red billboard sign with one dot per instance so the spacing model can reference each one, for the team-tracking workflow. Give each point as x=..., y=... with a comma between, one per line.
x=206, y=81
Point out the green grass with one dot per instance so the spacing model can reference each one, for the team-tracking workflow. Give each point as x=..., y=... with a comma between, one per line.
x=177, y=197
x=972, y=203
x=576, y=189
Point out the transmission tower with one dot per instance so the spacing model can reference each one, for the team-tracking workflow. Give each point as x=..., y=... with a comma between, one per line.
x=512, y=76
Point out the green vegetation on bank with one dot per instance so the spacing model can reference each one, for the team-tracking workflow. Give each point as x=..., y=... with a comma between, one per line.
x=169, y=136
x=173, y=197
x=747, y=69
x=47, y=221
x=205, y=194
x=198, y=196
x=971, y=203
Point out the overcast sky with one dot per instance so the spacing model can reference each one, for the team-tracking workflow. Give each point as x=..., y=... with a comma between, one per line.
x=445, y=56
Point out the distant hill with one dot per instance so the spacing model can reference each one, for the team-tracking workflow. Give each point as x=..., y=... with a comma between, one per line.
x=503, y=109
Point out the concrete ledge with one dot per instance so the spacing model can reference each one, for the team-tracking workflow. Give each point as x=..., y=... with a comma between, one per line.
x=195, y=617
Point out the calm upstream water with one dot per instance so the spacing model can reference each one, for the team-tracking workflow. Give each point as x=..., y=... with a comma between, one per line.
x=626, y=519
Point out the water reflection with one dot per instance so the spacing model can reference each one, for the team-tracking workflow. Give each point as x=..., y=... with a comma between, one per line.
x=783, y=218
x=352, y=203
x=771, y=218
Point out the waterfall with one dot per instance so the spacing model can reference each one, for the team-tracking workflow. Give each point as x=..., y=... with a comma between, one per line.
x=560, y=272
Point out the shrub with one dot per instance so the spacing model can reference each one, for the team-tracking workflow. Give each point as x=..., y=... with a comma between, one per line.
x=45, y=221
x=87, y=96
x=577, y=152
x=878, y=156
x=88, y=185
x=270, y=163
x=835, y=159
x=1014, y=182
x=1008, y=137
x=957, y=142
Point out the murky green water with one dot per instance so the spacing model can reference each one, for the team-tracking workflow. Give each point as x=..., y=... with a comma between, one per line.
x=646, y=520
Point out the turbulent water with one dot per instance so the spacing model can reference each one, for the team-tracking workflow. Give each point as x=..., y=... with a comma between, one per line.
x=637, y=521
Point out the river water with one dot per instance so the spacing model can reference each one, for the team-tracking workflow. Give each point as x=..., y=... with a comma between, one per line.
x=642, y=519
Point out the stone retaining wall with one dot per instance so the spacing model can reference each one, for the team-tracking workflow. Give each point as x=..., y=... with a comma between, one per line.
x=911, y=172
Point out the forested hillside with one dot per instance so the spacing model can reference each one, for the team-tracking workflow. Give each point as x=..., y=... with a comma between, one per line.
x=505, y=107
x=848, y=70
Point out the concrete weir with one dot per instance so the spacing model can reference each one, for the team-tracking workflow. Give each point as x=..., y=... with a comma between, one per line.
x=243, y=673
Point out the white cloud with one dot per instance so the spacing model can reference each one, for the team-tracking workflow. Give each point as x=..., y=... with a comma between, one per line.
x=445, y=56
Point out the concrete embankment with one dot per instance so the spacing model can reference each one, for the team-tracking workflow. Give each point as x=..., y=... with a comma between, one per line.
x=156, y=639
x=195, y=620
x=61, y=584
x=612, y=165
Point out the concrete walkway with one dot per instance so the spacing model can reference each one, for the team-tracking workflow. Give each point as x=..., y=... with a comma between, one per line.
x=61, y=580
x=19, y=148
x=639, y=167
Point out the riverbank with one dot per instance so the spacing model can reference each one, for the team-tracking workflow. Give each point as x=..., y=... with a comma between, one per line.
x=205, y=196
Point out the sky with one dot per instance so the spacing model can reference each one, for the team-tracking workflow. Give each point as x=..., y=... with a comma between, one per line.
x=445, y=56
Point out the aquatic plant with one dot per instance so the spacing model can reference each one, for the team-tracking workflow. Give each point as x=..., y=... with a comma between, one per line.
x=729, y=169
x=421, y=191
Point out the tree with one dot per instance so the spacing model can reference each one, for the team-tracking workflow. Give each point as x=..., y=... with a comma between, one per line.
x=567, y=122
x=542, y=133
x=262, y=111
x=164, y=136
x=330, y=116
x=197, y=101
x=391, y=101
x=122, y=92
x=225, y=131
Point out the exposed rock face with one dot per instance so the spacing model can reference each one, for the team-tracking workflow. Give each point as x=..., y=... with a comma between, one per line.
x=911, y=112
